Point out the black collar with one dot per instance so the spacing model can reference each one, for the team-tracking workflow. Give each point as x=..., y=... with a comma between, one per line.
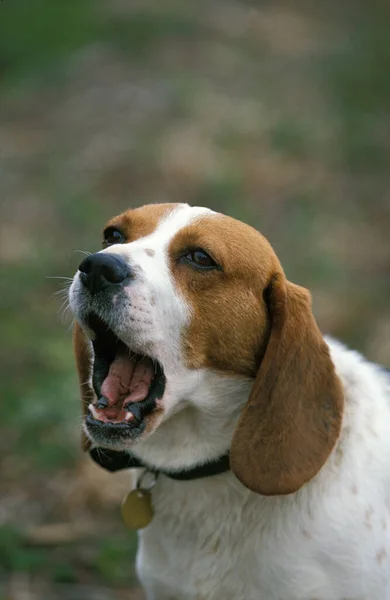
x=116, y=461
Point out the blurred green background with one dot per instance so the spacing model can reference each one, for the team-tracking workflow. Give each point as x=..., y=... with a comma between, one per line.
x=273, y=112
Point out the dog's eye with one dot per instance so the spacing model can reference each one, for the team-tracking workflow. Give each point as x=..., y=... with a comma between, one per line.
x=113, y=236
x=200, y=259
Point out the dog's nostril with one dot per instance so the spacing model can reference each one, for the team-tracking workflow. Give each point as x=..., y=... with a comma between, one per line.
x=86, y=265
x=114, y=273
x=101, y=270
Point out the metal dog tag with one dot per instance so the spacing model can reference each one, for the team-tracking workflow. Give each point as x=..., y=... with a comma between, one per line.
x=137, y=508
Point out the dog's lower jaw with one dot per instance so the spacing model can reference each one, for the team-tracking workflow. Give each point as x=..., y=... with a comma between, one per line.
x=194, y=435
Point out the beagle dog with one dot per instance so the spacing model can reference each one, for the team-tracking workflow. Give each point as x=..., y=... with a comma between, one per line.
x=201, y=362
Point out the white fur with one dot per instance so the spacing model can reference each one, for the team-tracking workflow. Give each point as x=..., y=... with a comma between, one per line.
x=213, y=539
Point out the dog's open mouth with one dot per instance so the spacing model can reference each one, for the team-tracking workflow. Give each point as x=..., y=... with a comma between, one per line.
x=127, y=384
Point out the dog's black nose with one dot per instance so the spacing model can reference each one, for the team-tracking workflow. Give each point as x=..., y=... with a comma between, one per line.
x=101, y=270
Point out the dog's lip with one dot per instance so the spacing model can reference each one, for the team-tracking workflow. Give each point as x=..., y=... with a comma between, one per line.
x=115, y=436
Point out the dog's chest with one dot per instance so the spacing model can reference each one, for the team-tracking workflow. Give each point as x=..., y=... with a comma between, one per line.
x=215, y=540
x=198, y=545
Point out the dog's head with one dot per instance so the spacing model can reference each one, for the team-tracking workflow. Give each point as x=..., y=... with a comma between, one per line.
x=189, y=341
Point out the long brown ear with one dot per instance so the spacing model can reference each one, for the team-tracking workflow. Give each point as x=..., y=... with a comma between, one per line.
x=84, y=370
x=293, y=417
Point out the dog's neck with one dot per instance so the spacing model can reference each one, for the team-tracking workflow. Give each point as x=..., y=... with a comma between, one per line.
x=201, y=431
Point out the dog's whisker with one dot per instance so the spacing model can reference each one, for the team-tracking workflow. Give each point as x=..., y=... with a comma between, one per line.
x=63, y=309
x=85, y=252
x=100, y=452
x=71, y=324
x=65, y=303
x=61, y=293
x=64, y=315
x=85, y=383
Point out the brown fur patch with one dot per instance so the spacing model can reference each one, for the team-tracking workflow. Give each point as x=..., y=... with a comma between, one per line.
x=84, y=371
x=142, y=221
x=229, y=324
x=293, y=417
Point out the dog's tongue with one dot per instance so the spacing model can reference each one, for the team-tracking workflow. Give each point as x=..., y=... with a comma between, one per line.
x=128, y=380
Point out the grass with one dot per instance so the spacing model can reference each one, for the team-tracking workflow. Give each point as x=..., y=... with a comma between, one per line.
x=358, y=81
x=41, y=34
x=38, y=37
x=106, y=561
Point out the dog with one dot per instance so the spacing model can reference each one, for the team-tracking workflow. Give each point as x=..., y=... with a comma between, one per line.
x=201, y=362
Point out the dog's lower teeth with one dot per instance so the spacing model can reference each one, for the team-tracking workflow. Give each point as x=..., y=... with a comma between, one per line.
x=129, y=416
x=135, y=410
